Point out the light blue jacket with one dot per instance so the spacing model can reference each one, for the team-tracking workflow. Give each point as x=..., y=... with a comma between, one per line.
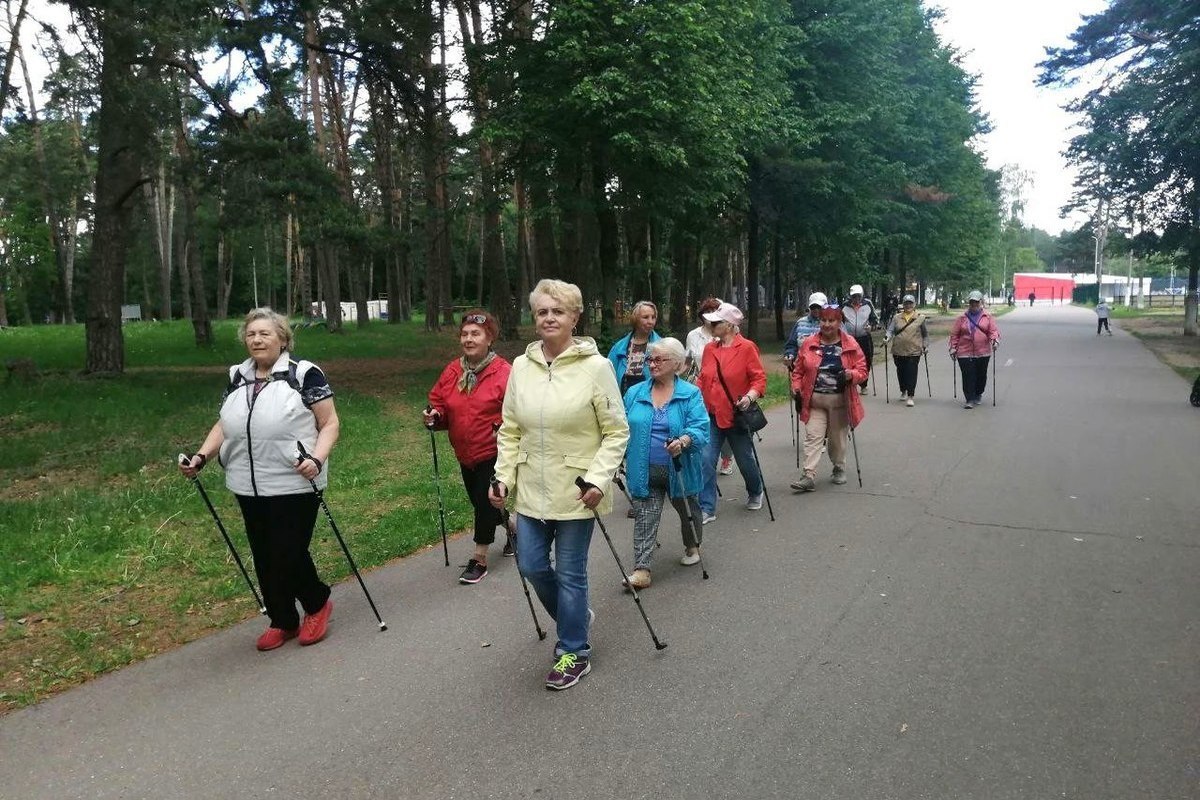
x=685, y=414
x=618, y=356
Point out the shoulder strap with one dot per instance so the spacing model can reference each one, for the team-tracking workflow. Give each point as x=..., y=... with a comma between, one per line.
x=721, y=378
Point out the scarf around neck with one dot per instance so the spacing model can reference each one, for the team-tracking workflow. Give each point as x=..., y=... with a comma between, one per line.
x=470, y=375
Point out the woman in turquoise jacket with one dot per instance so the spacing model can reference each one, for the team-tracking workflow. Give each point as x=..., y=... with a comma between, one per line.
x=668, y=429
x=628, y=354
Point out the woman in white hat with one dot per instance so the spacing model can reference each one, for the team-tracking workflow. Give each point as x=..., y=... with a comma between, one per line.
x=973, y=339
x=910, y=339
x=858, y=320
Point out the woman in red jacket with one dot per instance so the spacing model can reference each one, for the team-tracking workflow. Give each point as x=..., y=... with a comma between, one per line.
x=466, y=401
x=731, y=374
x=828, y=366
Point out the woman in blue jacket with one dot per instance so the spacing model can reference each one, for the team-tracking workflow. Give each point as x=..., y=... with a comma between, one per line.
x=668, y=429
x=628, y=354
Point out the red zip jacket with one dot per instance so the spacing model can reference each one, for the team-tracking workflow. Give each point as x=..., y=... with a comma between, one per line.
x=808, y=361
x=969, y=340
x=471, y=419
x=743, y=371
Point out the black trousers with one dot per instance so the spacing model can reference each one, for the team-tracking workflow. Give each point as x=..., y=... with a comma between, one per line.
x=868, y=347
x=906, y=373
x=477, y=480
x=974, y=376
x=1102, y=322
x=280, y=530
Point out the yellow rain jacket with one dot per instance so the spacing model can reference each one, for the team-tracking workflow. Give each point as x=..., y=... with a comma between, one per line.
x=560, y=421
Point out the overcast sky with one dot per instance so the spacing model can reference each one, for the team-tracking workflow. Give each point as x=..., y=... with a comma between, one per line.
x=1002, y=41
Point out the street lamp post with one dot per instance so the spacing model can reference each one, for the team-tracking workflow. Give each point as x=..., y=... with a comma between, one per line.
x=1096, y=263
x=254, y=272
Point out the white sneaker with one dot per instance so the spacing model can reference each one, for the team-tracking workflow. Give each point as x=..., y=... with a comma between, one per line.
x=708, y=518
x=726, y=467
x=690, y=557
x=755, y=502
x=909, y=402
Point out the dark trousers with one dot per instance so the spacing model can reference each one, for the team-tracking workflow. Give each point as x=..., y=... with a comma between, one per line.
x=868, y=347
x=1102, y=322
x=906, y=373
x=974, y=376
x=477, y=480
x=280, y=530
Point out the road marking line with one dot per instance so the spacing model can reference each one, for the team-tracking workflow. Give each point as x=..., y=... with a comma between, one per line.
x=1008, y=363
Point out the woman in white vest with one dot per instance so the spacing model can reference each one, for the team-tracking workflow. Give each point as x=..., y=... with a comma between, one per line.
x=272, y=402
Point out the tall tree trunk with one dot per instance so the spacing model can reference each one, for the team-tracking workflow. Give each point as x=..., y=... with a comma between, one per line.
x=323, y=251
x=123, y=132
x=777, y=281
x=189, y=266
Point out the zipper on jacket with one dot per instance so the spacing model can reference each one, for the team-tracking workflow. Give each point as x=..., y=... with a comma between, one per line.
x=249, y=438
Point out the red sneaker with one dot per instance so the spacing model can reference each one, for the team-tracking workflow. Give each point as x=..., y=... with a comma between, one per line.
x=275, y=637
x=312, y=629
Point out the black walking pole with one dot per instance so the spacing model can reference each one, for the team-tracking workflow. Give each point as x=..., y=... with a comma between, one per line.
x=516, y=557
x=993, y=375
x=437, y=480
x=854, y=444
x=697, y=536
x=887, y=389
x=928, y=385
x=954, y=377
x=796, y=406
x=761, y=477
x=583, y=487
x=262, y=609
x=300, y=456
x=872, y=368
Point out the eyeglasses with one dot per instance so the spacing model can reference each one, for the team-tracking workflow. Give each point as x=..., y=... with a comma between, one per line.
x=658, y=360
x=475, y=319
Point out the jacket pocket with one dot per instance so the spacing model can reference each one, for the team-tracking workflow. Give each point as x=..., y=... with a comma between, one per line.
x=580, y=463
x=522, y=457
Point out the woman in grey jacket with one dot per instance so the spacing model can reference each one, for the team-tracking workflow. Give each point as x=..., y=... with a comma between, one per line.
x=272, y=402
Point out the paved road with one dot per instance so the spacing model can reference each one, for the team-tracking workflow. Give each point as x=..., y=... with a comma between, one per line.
x=1008, y=608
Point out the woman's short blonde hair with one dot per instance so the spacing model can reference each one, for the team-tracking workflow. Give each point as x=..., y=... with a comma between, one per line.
x=560, y=292
x=278, y=320
x=669, y=347
x=631, y=317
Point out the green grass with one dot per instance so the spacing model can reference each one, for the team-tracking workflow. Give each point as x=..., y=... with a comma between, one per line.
x=108, y=554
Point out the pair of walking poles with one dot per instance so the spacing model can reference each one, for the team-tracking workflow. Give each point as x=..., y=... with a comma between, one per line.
x=301, y=454
x=954, y=377
x=887, y=392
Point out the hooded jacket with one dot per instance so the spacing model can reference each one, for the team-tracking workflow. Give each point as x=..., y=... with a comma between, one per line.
x=685, y=415
x=471, y=419
x=560, y=421
x=808, y=361
x=261, y=429
x=973, y=339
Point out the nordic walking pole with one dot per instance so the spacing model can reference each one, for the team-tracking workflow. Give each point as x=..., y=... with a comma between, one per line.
x=993, y=374
x=302, y=454
x=873, y=392
x=583, y=488
x=796, y=401
x=857, y=469
x=437, y=480
x=928, y=385
x=954, y=377
x=887, y=389
x=697, y=537
x=516, y=557
x=761, y=477
x=262, y=608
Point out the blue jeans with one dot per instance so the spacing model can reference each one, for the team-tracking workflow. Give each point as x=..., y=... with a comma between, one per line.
x=563, y=587
x=743, y=455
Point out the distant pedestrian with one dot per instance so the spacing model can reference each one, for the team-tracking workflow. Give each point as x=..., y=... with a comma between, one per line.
x=466, y=401
x=1032, y=298
x=858, y=320
x=828, y=365
x=1102, y=312
x=973, y=339
x=910, y=339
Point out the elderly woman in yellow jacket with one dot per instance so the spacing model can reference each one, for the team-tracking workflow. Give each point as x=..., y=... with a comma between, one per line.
x=563, y=418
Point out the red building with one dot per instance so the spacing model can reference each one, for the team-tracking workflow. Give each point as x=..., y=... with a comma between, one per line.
x=1046, y=286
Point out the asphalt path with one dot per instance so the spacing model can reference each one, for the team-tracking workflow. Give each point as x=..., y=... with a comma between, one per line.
x=1007, y=608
